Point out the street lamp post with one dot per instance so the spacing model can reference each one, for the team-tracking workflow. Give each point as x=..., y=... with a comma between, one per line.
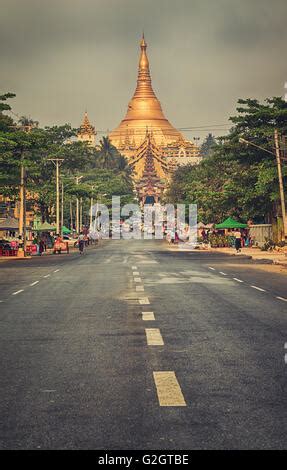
x=57, y=162
x=62, y=207
x=281, y=187
x=78, y=178
x=22, y=214
x=91, y=208
x=280, y=177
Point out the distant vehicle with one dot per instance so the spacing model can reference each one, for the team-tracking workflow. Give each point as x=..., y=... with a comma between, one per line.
x=71, y=241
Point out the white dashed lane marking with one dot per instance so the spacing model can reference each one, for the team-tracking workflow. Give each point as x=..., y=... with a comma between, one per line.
x=144, y=301
x=134, y=267
x=34, y=283
x=168, y=389
x=18, y=292
x=47, y=275
x=137, y=279
x=56, y=270
x=281, y=298
x=223, y=274
x=140, y=288
x=209, y=267
x=153, y=337
x=148, y=316
x=236, y=279
x=136, y=273
x=258, y=288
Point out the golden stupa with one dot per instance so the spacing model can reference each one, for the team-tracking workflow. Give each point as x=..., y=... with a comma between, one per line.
x=144, y=114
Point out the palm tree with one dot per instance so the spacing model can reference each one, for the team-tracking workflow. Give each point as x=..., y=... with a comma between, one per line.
x=27, y=123
x=107, y=154
x=124, y=169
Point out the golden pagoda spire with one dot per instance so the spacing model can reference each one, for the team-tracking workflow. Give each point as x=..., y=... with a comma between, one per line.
x=144, y=109
x=144, y=86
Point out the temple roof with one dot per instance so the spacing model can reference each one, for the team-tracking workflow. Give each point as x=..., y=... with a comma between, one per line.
x=148, y=165
x=144, y=110
x=86, y=127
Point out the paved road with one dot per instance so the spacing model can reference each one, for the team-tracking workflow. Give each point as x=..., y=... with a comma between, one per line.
x=82, y=367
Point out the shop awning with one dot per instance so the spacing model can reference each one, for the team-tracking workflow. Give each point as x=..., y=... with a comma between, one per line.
x=230, y=223
x=45, y=227
x=10, y=223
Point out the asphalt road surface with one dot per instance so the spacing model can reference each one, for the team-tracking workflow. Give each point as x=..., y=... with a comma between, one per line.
x=133, y=346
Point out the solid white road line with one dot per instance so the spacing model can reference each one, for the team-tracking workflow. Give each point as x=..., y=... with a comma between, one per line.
x=34, y=283
x=148, y=316
x=140, y=288
x=137, y=279
x=18, y=292
x=236, y=279
x=168, y=389
x=223, y=274
x=144, y=301
x=281, y=298
x=209, y=267
x=258, y=288
x=153, y=337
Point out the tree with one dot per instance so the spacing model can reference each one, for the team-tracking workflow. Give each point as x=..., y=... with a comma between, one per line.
x=107, y=154
x=208, y=146
x=104, y=170
x=5, y=121
x=237, y=180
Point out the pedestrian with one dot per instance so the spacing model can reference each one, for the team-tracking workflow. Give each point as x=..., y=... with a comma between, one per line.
x=237, y=236
x=81, y=243
x=41, y=247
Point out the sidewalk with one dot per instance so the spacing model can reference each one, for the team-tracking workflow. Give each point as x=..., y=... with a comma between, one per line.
x=271, y=257
x=48, y=252
x=267, y=257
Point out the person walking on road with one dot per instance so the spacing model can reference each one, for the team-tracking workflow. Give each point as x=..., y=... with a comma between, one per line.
x=237, y=235
x=81, y=243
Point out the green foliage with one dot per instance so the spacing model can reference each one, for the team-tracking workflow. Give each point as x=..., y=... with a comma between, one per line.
x=208, y=146
x=237, y=180
x=103, y=170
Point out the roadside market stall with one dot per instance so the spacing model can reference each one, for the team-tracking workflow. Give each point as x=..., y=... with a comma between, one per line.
x=43, y=232
x=225, y=231
x=9, y=230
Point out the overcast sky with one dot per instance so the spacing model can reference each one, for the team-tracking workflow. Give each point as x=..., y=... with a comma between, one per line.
x=63, y=56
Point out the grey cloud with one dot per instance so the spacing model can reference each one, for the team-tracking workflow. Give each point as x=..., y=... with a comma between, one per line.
x=61, y=56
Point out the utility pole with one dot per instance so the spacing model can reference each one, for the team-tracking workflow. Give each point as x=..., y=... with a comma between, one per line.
x=81, y=213
x=57, y=162
x=22, y=214
x=281, y=187
x=78, y=178
x=91, y=208
x=62, y=208
x=91, y=212
x=71, y=216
